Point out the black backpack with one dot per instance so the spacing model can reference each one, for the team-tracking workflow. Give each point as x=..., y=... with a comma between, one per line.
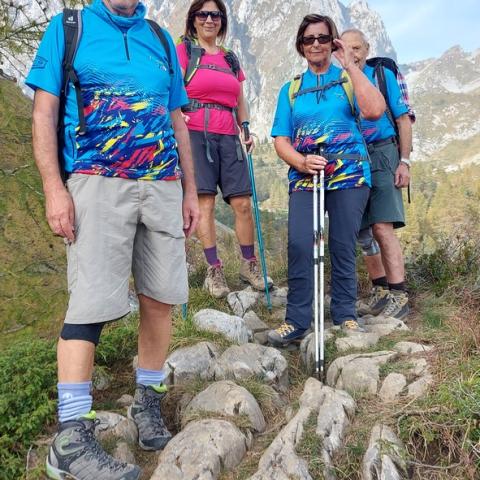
x=72, y=28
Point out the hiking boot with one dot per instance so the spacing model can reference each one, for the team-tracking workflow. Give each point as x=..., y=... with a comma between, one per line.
x=397, y=306
x=375, y=303
x=145, y=412
x=76, y=454
x=251, y=273
x=352, y=326
x=285, y=334
x=215, y=282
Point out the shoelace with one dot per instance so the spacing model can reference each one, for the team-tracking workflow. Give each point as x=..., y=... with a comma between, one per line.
x=152, y=403
x=393, y=304
x=95, y=451
x=285, y=329
x=351, y=324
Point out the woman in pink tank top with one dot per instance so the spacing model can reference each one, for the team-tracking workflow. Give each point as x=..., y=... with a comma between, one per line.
x=213, y=80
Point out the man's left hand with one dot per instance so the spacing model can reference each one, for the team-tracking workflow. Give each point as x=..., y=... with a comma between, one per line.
x=402, y=176
x=191, y=213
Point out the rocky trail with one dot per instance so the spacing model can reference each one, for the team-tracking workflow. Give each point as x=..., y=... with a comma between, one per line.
x=251, y=411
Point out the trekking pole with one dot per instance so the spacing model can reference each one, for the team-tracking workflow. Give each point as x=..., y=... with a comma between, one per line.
x=318, y=267
x=246, y=134
x=184, y=310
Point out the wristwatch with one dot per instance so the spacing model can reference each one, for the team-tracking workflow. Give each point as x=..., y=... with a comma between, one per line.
x=406, y=161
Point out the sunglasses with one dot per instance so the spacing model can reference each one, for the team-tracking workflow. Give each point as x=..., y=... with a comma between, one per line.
x=322, y=39
x=203, y=15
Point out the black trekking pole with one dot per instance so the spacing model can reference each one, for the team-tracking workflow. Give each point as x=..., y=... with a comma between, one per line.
x=246, y=134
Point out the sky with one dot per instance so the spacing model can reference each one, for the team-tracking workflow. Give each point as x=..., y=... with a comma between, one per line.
x=421, y=29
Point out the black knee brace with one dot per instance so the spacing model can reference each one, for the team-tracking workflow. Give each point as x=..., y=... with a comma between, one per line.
x=87, y=332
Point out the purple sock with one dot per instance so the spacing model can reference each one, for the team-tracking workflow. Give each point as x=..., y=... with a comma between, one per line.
x=211, y=255
x=248, y=252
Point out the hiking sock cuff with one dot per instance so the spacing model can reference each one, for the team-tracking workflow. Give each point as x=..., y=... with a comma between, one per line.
x=380, y=282
x=148, y=378
x=401, y=287
x=211, y=256
x=248, y=252
x=74, y=400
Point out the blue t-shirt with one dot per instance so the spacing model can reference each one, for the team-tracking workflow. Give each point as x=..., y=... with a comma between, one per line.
x=374, y=130
x=127, y=94
x=323, y=118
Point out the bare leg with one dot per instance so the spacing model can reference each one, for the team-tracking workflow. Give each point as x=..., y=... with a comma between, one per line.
x=392, y=257
x=206, y=226
x=75, y=361
x=374, y=266
x=154, y=334
x=242, y=208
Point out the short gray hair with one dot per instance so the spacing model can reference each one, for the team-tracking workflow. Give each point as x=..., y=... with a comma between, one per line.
x=358, y=32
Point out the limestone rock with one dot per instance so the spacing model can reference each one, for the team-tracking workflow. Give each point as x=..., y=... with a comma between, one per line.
x=253, y=322
x=358, y=373
x=408, y=348
x=101, y=379
x=123, y=453
x=356, y=340
x=388, y=326
x=392, y=387
x=201, y=451
x=186, y=364
x=117, y=426
x=332, y=410
x=307, y=349
x=385, y=457
x=278, y=296
x=125, y=401
x=419, y=366
x=228, y=398
x=261, y=338
x=420, y=387
x=231, y=326
x=252, y=360
x=240, y=302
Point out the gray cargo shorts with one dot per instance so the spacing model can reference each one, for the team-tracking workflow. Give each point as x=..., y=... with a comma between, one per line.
x=124, y=226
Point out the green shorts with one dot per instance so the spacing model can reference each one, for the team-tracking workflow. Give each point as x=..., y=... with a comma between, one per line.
x=386, y=201
x=124, y=226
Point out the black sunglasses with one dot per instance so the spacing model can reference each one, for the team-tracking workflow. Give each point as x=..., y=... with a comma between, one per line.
x=203, y=15
x=322, y=39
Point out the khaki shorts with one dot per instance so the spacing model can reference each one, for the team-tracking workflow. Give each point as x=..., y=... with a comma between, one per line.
x=124, y=226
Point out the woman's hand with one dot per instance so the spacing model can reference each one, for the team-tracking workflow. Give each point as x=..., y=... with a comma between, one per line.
x=250, y=143
x=312, y=164
x=344, y=54
x=186, y=118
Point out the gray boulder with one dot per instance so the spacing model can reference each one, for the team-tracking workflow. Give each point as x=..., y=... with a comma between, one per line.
x=201, y=451
x=230, y=326
x=409, y=348
x=392, y=387
x=357, y=341
x=227, y=398
x=186, y=364
x=385, y=457
x=242, y=301
x=113, y=424
x=421, y=386
x=359, y=373
x=307, y=349
x=333, y=410
x=252, y=360
x=253, y=322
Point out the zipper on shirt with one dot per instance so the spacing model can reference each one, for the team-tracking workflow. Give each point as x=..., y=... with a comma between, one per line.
x=125, y=41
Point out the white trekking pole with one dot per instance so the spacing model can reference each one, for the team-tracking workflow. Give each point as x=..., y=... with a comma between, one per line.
x=318, y=271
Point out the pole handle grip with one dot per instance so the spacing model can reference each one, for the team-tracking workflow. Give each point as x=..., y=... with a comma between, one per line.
x=246, y=130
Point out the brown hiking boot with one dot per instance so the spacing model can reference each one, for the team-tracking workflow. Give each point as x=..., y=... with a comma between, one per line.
x=397, y=306
x=215, y=282
x=375, y=303
x=251, y=273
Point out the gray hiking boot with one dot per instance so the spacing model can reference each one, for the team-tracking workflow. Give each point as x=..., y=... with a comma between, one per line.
x=375, y=303
x=397, y=306
x=251, y=273
x=215, y=282
x=145, y=412
x=76, y=454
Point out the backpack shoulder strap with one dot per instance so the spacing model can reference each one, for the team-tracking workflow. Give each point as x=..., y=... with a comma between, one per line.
x=294, y=88
x=348, y=88
x=159, y=32
x=379, y=73
x=194, y=57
